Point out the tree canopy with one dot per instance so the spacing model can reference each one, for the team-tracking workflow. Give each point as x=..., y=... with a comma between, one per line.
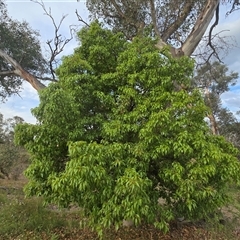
x=19, y=45
x=178, y=23
x=116, y=137
x=213, y=80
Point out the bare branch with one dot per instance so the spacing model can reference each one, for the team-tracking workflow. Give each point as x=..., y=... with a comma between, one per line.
x=57, y=44
x=210, y=36
x=176, y=24
x=235, y=3
x=80, y=19
x=47, y=79
x=221, y=44
x=7, y=73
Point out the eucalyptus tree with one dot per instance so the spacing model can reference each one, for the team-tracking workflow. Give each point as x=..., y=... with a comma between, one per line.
x=180, y=24
x=21, y=57
x=214, y=79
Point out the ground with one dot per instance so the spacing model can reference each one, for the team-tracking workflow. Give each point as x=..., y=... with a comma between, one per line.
x=28, y=219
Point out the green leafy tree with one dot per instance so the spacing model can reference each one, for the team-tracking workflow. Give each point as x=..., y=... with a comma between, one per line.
x=228, y=126
x=116, y=138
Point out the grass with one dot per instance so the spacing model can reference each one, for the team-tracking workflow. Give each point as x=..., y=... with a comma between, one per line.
x=28, y=215
x=28, y=219
x=22, y=218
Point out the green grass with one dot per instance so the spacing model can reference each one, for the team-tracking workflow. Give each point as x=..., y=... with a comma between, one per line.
x=3, y=199
x=29, y=219
x=19, y=215
x=227, y=220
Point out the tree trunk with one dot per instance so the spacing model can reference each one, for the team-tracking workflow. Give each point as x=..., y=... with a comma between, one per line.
x=19, y=71
x=213, y=124
x=211, y=116
x=200, y=27
x=197, y=32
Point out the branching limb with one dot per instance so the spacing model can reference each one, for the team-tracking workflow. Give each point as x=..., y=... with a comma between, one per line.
x=137, y=25
x=210, y=36
x=57, y=44
x=80, y=19
x=200, y=27
x=154, y=18
x=184, y=13
x=19, y=71
x=46, y=79
x=235, y=3
x=118, y=9
x=222, y=45
x=6, y=73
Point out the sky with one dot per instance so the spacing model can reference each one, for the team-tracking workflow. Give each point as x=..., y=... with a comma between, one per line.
x=34, y=15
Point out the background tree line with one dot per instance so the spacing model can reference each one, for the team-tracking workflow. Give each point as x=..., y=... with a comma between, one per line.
x=13, y=159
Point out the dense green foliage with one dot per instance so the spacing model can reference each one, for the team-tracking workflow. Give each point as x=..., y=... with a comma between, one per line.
x=115, y=137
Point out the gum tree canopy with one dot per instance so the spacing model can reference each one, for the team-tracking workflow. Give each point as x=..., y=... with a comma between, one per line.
x=20, y=55
x=178, y=23
x=115, y=137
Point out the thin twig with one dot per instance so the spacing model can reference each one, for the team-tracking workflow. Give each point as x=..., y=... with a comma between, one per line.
x=210, y=36
x=80, y=19
x=57, y=44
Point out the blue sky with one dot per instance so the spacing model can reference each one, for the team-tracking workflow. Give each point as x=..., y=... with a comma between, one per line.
x=34, y=15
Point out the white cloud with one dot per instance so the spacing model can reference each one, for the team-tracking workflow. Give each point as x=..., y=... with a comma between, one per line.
x=232, y=99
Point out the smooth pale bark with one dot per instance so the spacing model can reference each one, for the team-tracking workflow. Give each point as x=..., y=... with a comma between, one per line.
x=212, y=119
x=197, y=32
x=200, y=27
x=21, y=72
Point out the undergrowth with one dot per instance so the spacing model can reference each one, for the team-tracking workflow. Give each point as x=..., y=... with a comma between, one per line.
x=29, y=219
x=20, y=215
